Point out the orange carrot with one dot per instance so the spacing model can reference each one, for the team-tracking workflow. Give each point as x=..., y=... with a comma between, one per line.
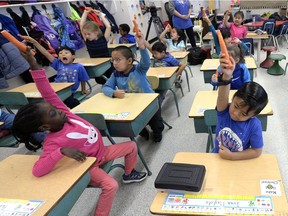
x=13, y=40
x=223, y=48
x=136, y=28
x=88, y=8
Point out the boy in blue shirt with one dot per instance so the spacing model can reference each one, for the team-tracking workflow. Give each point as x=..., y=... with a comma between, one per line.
x=67, y=71
x=125, y=38
x=128, y=77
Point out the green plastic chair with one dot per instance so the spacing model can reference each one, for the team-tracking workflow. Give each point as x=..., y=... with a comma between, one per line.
x=98, y=121
x=210, y=119
x=79, y=96
x=11, y=100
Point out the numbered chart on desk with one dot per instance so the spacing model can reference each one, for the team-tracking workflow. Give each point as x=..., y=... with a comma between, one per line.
x=214, y=204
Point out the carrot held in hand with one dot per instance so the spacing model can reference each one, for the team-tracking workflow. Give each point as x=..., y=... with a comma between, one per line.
x=204, y=13
x=136, y=28
x=170, y=28
x=17, y=43
x=223, y=48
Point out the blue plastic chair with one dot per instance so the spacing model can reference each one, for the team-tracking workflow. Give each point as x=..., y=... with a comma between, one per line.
x=250, y=44
x=269, y=27
x=210, y=119
x=283, y=32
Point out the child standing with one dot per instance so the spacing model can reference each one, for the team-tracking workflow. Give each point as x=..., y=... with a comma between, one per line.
x=71, y=136
x=96, y=42
x=67, y=71
x=132, y=78
x=238, y=131
x=240, y=74
x=125, y=38
x=236, y=28
x=177, y=40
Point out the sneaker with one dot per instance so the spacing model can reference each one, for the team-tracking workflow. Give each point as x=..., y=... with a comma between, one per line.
x=157, y=137
x=144, y=133
x=134, y=176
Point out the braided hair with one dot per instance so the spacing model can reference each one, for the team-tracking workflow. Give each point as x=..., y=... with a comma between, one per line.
x=26, y=122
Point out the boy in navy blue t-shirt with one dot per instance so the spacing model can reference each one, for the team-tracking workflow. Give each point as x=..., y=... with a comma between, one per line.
x=125, y=38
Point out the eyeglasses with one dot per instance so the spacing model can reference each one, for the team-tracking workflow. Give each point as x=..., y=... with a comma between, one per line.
x=117, y=60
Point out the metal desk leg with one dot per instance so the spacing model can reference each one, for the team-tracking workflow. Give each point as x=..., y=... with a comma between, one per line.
x=176, y=100
x=142, y=157
x=187, y=78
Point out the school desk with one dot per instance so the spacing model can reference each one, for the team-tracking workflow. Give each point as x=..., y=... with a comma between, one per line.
x=226, y=177
x=59, y=189
x=124, y=117
x=95, y=67
x=260, y=24
x=167, y=76
x=256, y=38
x=209, y=67
x=131, y=46
x=207, y=100
x=31, y=92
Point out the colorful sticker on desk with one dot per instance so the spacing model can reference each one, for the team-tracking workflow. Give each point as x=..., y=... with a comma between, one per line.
x=32, y=94
x=18, y=207
x=216, y=204
x=270, y=187
x=122, y=115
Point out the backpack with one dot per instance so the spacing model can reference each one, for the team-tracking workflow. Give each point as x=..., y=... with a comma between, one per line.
x=68, y=32
x=196, y=55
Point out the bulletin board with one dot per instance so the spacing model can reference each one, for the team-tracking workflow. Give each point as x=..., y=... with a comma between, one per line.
x=262, y=4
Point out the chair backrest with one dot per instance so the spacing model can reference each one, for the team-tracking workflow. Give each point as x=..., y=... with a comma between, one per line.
x=154, y=81
x=210, y=117
x=284, y=28
x=250, y=45
x=269, y=26
x=13, y=100
x=98, y=121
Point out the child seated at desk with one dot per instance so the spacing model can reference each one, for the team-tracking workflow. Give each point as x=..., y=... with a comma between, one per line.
x=132, y=78
x=71, y=136
x=177, y=40
x=67, y=71
x=241, y=73
x=238, y=131
x=125, y=38
x=162, y=58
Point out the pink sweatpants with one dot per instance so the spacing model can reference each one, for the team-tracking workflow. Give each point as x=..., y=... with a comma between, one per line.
x=108, y=184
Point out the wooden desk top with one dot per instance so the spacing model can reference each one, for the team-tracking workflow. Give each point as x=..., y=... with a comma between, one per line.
x=91, y=61
x=19, y=183
x=179, y=54
x=162, y=72
x=225, y=177
x=207, y=100
x=30, y=90
x=260, y=23
x=250, y=34
x=112, y=46
x=133, y=104
x=212, y=64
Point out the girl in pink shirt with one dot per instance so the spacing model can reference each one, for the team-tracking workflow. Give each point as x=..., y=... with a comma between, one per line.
x=71, y=136
x=236, y=28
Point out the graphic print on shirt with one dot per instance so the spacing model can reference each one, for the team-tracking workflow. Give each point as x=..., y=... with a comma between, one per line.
x=229, y=139
x=91, y=136
x=133, y=86
x=160, y=64
x=67, y=76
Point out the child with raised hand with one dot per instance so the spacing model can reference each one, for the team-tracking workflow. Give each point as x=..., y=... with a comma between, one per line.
x=238, y=131
x=236, y=28
x=240, y=74
x=96, y=42
x=67, y=71
x=128, y=77
x=125, y=38
x=226, y=34
x=177, y=40
x=71, y=136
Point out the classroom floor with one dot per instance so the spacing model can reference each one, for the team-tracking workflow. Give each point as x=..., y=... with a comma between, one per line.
x=135, y=199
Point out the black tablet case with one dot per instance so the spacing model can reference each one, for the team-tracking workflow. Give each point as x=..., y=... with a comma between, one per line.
x=179, y=176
